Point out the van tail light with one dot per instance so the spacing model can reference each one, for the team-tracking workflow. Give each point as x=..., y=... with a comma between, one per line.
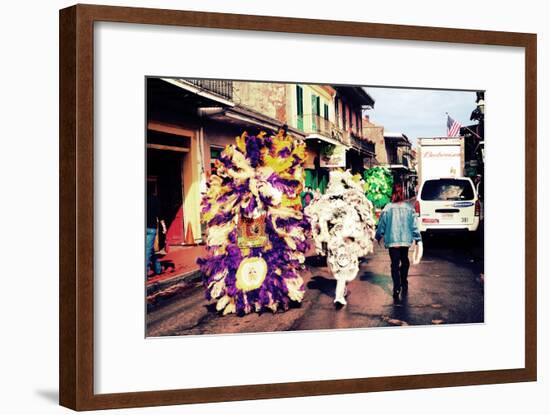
x=417, y=207
x=478, y=208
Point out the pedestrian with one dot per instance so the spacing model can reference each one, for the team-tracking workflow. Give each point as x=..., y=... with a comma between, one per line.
x=306, y=196
x=398, y=227
x=153, y=222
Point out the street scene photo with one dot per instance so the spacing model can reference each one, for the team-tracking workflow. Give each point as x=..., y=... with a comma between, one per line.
x=276, y=206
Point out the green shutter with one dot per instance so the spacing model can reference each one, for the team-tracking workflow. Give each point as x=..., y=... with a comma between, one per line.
x=323, y=181
x=309, y=178
x=315, y=110
x=300, y=107
x=318, y=106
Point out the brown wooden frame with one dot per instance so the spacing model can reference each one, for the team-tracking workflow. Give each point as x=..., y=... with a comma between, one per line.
x=76, y=336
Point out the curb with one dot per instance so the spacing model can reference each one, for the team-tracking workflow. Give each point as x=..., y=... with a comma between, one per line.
x=189, y=276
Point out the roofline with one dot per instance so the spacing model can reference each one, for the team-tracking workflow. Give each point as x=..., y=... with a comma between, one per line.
x=361, y=94
x=185, y=85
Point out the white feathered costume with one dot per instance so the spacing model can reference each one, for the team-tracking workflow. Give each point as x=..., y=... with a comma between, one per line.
x=343, y=228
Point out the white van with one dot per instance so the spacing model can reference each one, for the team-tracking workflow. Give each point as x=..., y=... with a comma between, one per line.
x=448, y=204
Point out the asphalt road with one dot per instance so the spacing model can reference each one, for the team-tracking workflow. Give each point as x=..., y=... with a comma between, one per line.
x=445, y=288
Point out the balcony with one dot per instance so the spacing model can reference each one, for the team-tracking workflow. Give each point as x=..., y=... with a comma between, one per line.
x=399, y=161
x=362, y=144
x=313, y=124
x=219, y=87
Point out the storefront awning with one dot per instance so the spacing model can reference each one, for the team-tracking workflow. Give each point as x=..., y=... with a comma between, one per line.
x=246, y=117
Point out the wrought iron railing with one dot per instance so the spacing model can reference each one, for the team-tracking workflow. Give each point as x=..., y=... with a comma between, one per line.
x=362, y=144
x=315, y=124
x=219, y=87
x=398, y=159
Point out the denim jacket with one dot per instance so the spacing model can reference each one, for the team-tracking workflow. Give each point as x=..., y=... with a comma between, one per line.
x=398, y=225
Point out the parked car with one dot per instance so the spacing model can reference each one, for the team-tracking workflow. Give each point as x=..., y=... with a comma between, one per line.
x=448, y=205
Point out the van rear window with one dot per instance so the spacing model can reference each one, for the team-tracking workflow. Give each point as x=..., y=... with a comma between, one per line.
x=447, y=189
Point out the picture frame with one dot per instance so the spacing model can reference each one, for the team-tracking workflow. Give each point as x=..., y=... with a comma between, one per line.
x=76, y=277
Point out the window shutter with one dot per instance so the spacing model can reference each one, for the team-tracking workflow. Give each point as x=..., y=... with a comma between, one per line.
x=300, y=107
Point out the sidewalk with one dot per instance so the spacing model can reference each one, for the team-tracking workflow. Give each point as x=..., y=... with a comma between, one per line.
x=180, y=262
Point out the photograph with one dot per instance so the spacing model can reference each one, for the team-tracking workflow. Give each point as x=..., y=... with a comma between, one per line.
x=276, y=206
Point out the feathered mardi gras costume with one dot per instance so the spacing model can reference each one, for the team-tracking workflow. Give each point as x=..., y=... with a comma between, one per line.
x=255, y=226
x=378, y=185
x=343, y=220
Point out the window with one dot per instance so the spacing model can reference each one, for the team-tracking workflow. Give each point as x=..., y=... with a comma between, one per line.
x=315, y=105
x=326, y=111
x=300, y=107
x=315, y=110
x=336, y=111
x=344, y=117
x=447, y=189
x=215, y=153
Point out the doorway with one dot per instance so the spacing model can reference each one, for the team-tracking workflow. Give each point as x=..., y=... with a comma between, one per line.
x=164, y=177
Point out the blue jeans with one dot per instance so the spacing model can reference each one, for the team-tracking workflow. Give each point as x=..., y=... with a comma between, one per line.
x=150, y=257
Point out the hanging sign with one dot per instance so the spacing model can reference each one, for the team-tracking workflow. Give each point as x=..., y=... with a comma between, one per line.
x=333, y=156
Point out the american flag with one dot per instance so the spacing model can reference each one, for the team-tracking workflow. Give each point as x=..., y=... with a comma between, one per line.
x=453, y=127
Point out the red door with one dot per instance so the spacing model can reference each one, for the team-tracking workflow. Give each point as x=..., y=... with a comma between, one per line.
x=174, y=232
x=166, y=167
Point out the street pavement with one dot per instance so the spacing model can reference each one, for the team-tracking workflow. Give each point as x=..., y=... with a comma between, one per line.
x=445, y=288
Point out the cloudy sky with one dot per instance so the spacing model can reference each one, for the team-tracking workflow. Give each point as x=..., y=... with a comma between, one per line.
x=420, y=112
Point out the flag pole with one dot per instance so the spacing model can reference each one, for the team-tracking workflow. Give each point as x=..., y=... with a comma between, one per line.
x=446, y=113
x=473, y=133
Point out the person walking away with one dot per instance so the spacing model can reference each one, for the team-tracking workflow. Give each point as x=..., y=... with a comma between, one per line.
x=153, y=222
x=398, y=226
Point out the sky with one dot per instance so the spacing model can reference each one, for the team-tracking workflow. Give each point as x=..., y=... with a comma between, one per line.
x=420, y=112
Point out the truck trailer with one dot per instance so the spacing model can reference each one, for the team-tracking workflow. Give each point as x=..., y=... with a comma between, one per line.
x=446, y=200
x=440, y=157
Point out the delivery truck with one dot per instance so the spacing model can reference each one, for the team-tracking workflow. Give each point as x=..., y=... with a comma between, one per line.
x=446, y=200
x=440, y=157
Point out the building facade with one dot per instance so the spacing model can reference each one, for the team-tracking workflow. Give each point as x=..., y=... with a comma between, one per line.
x=375, y=134
x=190, y=121
x=400, y=161
x=330, y=117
